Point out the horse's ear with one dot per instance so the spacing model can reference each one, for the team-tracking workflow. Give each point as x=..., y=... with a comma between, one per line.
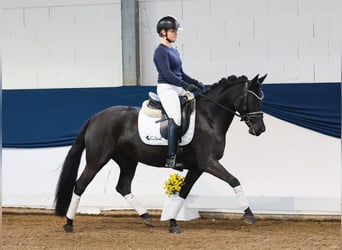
x=261, y=80
x=255, y=79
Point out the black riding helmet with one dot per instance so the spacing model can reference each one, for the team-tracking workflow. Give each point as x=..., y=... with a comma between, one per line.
x=168, y=22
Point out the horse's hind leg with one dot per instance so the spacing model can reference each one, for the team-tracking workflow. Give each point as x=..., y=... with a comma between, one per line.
x=83, y=181
x=127, y=171
x=190, y=179
x=216, y=169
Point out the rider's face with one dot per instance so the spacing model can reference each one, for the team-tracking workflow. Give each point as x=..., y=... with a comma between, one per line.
x=171, y=34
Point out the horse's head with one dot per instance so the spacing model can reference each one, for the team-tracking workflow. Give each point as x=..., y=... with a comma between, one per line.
x=250, y=103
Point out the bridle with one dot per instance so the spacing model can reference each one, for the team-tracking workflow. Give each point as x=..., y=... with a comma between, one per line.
x=244, y=115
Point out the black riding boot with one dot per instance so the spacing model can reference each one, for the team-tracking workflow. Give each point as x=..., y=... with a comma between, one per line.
x=173, y=139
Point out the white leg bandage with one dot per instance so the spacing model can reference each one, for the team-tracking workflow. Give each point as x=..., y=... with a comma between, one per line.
x=134, y=202
x=241, y=197
x=176, y=207
x=75, y=200
x=172, y=207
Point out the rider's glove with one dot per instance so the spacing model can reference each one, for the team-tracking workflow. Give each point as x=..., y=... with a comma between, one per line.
x=191, y=88
x=200, y=85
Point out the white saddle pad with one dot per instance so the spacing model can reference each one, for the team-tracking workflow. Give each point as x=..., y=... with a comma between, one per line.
x=149, y=130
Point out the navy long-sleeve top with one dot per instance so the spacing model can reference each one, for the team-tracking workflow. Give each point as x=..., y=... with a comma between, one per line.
x=169, y=66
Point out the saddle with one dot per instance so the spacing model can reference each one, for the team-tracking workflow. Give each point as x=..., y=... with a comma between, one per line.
x=152, y=107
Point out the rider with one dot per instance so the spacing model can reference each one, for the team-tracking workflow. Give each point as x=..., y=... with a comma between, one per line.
x=172, y=82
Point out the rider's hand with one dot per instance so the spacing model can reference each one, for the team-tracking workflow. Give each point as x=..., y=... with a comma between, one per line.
x=200, y=85
x=191, y=88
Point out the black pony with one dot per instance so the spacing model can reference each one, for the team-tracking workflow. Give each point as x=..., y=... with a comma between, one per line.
x=113, y=134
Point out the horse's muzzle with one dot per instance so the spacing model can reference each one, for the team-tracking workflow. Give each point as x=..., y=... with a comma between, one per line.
x=257, y=129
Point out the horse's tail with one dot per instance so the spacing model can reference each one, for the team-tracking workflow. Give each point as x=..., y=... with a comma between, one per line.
x=68, y=175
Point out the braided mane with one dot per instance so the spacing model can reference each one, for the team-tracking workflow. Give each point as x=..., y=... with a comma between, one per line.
x=226, y=82
x=230, y=80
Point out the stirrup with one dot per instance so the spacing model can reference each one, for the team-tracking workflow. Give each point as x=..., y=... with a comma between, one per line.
x=171, y=162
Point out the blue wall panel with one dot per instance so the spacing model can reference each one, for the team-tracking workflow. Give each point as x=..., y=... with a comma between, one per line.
x=53, y=117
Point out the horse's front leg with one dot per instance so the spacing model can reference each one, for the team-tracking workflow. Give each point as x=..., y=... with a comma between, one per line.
x=216, y=169
x=190, y=179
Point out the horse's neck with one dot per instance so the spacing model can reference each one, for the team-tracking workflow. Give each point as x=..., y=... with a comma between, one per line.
x=218, y=117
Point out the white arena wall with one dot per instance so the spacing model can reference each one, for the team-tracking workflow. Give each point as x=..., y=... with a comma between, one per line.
x=287, y=170
x=77, y=43
x=61, y=44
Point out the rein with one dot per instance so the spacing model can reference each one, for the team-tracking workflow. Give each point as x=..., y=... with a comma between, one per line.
x=220, y=105
x=243, y=97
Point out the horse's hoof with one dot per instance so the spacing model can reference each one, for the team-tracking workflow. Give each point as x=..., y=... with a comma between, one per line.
x=147, y=219
x=68, y=228
x=149, y=222
x=175, y=230
x=249, y=219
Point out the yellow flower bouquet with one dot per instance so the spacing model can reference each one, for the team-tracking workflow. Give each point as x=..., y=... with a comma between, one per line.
x=174, y=184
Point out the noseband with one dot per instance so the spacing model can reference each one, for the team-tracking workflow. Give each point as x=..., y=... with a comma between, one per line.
x=245, y=115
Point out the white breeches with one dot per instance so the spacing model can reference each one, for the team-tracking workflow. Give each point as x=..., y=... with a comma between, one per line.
x=169, y=97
